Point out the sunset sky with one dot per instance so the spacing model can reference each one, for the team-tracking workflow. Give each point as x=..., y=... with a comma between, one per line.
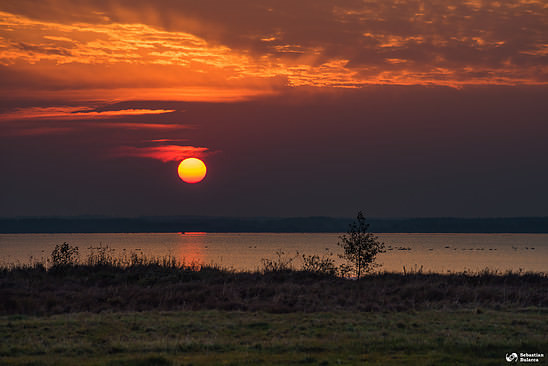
x=298, y=108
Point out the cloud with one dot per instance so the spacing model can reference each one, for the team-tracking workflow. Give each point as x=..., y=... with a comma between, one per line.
x=75, y=113
x=30, y=121
x=167, y=140
x=164, y=153
x=249, y=48
x=144, y=126
x=33, y=41
x=121, y=61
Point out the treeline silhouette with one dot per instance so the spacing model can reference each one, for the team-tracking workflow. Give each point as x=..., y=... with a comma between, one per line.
x=275, y=225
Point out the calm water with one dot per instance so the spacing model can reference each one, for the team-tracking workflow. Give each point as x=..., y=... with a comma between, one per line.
x=435, y=252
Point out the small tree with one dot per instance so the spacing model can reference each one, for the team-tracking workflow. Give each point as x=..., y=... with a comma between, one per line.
x=360, y=246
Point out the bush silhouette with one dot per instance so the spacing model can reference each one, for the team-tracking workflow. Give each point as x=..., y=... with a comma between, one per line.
x=64, y=255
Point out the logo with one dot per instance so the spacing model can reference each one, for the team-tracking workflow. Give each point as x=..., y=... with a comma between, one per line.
x=512, y=357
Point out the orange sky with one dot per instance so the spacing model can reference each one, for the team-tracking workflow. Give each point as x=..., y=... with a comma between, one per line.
x=184, y=51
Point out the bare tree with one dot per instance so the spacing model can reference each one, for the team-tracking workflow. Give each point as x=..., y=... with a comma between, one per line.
x=360, y=246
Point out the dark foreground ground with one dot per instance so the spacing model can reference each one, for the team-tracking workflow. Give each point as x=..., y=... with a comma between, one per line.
x=162, y=315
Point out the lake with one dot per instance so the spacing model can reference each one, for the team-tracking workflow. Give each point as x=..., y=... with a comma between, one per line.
x=244, y=251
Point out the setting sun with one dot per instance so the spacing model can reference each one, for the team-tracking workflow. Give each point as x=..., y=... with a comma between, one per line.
x=192, y=170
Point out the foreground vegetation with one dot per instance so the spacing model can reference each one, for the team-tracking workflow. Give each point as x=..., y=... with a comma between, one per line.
x=213, y=337
x=168, y=287
x=139, y=311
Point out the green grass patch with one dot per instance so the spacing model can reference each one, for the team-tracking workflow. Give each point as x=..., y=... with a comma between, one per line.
x=430, y=337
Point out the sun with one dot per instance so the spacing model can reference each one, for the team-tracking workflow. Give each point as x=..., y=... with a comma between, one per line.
x=192, y=170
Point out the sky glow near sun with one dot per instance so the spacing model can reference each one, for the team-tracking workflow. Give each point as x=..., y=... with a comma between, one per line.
x=165, y=153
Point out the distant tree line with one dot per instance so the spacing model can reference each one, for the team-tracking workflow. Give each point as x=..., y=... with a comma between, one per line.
x=291, y=225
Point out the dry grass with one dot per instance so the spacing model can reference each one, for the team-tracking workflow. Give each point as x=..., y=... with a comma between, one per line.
x=168, y=285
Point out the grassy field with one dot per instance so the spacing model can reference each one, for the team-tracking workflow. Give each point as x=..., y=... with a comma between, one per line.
x=162, y=313
x=465, y=337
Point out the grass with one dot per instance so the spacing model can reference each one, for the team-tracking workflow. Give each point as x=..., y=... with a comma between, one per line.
x=98, y=288
x=430, y=337
x=160, y=312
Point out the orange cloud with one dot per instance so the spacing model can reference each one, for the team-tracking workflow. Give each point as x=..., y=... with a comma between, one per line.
x=118, y=61
x=61, y=120
x=75, y=113
x=163, y=153
x=113, y=50
x=144, y=126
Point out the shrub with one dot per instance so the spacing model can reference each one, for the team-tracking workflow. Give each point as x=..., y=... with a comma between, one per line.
x=317, y=264
x=281, y=263
x=64, y=255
